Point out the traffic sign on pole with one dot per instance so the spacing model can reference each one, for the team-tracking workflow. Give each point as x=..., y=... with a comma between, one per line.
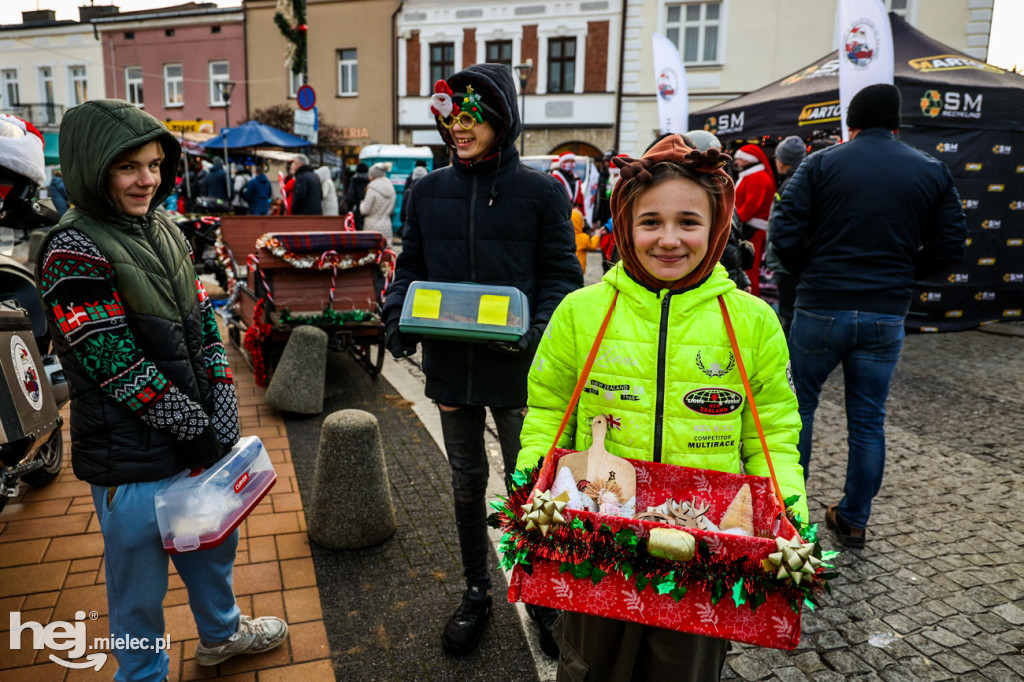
x=305, y=97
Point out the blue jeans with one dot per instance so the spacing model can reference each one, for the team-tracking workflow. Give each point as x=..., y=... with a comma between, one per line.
x=868, y=346
x=463, y=431
x=136, y=569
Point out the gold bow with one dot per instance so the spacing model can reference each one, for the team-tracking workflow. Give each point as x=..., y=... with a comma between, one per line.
x=793, y=561
x=671, y=543
x=545, y=512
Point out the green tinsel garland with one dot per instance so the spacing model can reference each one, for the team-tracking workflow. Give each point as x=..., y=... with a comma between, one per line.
x=295, y=34
x=328, y=318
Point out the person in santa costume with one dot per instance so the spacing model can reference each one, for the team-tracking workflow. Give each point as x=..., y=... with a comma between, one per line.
x=565, y=173
x=755, y=191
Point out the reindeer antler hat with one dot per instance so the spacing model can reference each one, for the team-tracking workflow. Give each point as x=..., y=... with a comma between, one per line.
x=672, y=149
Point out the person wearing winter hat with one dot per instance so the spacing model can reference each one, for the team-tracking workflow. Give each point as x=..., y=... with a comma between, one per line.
x=755, y=191
x=379, y=202
x=673, y=214
x=789, y=154
x=217, y=180
x=356, y=190
x=487, y=219
x=858, y=224
x=152, y=393
x=328, y=193
x=565, y=172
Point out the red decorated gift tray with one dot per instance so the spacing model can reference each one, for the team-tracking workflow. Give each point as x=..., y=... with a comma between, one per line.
x=598, y=564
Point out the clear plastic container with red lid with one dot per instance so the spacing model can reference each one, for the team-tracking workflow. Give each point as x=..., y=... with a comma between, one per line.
x=199, y=511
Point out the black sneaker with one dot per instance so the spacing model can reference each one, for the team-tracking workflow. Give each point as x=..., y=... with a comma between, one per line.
x=545, y=619
x=464, y=629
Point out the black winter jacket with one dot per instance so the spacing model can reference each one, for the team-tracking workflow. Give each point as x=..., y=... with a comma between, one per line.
x=497, y=222
x=306, y=192
x=861, y=221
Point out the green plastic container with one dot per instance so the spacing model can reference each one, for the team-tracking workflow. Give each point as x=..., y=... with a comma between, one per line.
x=466, y=312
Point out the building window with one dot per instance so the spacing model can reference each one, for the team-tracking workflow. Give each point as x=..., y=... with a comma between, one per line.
x=46, y=84
x=218, y=73
x=174, y=85
x=348, y=73
x=79, y=82
x=294, y=82
x=695, y=29
x=499, y=52
x=133, y=85
x=169, y=32
x=129, y=35
x=11, y=92
x=215, y=29
x=561, y=65
x=442, y=61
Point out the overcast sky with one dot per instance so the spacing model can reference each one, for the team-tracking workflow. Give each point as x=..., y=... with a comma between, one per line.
x=1006, y=48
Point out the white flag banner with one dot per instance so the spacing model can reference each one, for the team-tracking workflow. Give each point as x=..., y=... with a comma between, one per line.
x=590, y=194
x=865, y=50
x=670, y=79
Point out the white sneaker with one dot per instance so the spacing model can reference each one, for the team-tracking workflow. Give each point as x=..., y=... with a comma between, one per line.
x=254, y=636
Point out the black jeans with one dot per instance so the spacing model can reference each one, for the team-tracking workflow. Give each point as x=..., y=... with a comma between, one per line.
x=463, y=430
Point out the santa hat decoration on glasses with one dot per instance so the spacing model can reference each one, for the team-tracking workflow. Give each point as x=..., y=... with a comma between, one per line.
x=465, y=108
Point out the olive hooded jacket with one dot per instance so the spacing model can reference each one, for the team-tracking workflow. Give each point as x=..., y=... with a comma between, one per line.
x=667, y=379
x=150, y=386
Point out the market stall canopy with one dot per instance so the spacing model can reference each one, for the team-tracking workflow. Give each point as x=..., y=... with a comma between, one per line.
x=255, y=134
x=940, y=87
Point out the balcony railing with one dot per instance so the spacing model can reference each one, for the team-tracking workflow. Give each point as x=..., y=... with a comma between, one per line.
x=41, y=115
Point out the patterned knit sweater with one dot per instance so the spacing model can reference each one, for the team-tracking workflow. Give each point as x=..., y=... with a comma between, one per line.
x=77, y=284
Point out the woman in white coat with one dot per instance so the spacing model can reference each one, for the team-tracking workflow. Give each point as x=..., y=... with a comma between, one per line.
x=329, y=203
x=379, y=202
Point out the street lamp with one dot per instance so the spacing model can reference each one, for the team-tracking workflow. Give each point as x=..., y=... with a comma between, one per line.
x=523, y=71
x=225, y=94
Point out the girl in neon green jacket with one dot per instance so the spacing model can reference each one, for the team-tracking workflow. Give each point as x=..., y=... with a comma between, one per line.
x=666, y=378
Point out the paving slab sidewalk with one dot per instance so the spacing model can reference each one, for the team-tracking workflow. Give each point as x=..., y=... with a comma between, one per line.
x=51, y=565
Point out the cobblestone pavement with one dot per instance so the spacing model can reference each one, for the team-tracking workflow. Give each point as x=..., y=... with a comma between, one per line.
x=938, y=593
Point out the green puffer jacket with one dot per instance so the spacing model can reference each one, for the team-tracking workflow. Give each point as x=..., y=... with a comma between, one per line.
x=666, y=377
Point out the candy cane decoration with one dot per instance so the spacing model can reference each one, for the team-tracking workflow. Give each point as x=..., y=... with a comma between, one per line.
x=334, y=271
x=251, y=262
x=390, y=274
x=350, y=222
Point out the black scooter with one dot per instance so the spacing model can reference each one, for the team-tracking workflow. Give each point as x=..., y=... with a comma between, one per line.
x=33, y=388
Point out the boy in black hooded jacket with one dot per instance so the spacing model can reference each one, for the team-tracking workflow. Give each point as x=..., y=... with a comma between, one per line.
x=487, y=219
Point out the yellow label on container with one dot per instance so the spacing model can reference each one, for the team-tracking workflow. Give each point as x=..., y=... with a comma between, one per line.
x=493, y=310
x=426, y=303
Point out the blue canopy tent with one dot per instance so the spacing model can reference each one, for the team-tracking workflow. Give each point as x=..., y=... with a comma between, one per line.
x=254, y=134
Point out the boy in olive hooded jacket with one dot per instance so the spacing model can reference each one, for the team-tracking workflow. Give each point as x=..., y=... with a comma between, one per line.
x=151, y=389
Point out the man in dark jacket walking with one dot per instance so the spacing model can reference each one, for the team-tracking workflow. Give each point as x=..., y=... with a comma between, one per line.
x=305, y=197
x=488, y=219
x=356, y=192
x=216, y=182
x=152, y=394
x=857, y=225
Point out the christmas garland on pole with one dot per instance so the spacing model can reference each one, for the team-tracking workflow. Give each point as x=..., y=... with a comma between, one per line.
x=291, y=21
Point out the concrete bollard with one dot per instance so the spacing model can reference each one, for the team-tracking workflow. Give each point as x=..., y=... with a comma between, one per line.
x=352, y=506
x=298, y=382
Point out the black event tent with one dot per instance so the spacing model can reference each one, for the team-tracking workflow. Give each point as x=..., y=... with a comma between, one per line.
x=962, y=111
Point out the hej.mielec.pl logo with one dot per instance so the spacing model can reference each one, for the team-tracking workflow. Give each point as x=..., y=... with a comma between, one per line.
x=71, y=637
